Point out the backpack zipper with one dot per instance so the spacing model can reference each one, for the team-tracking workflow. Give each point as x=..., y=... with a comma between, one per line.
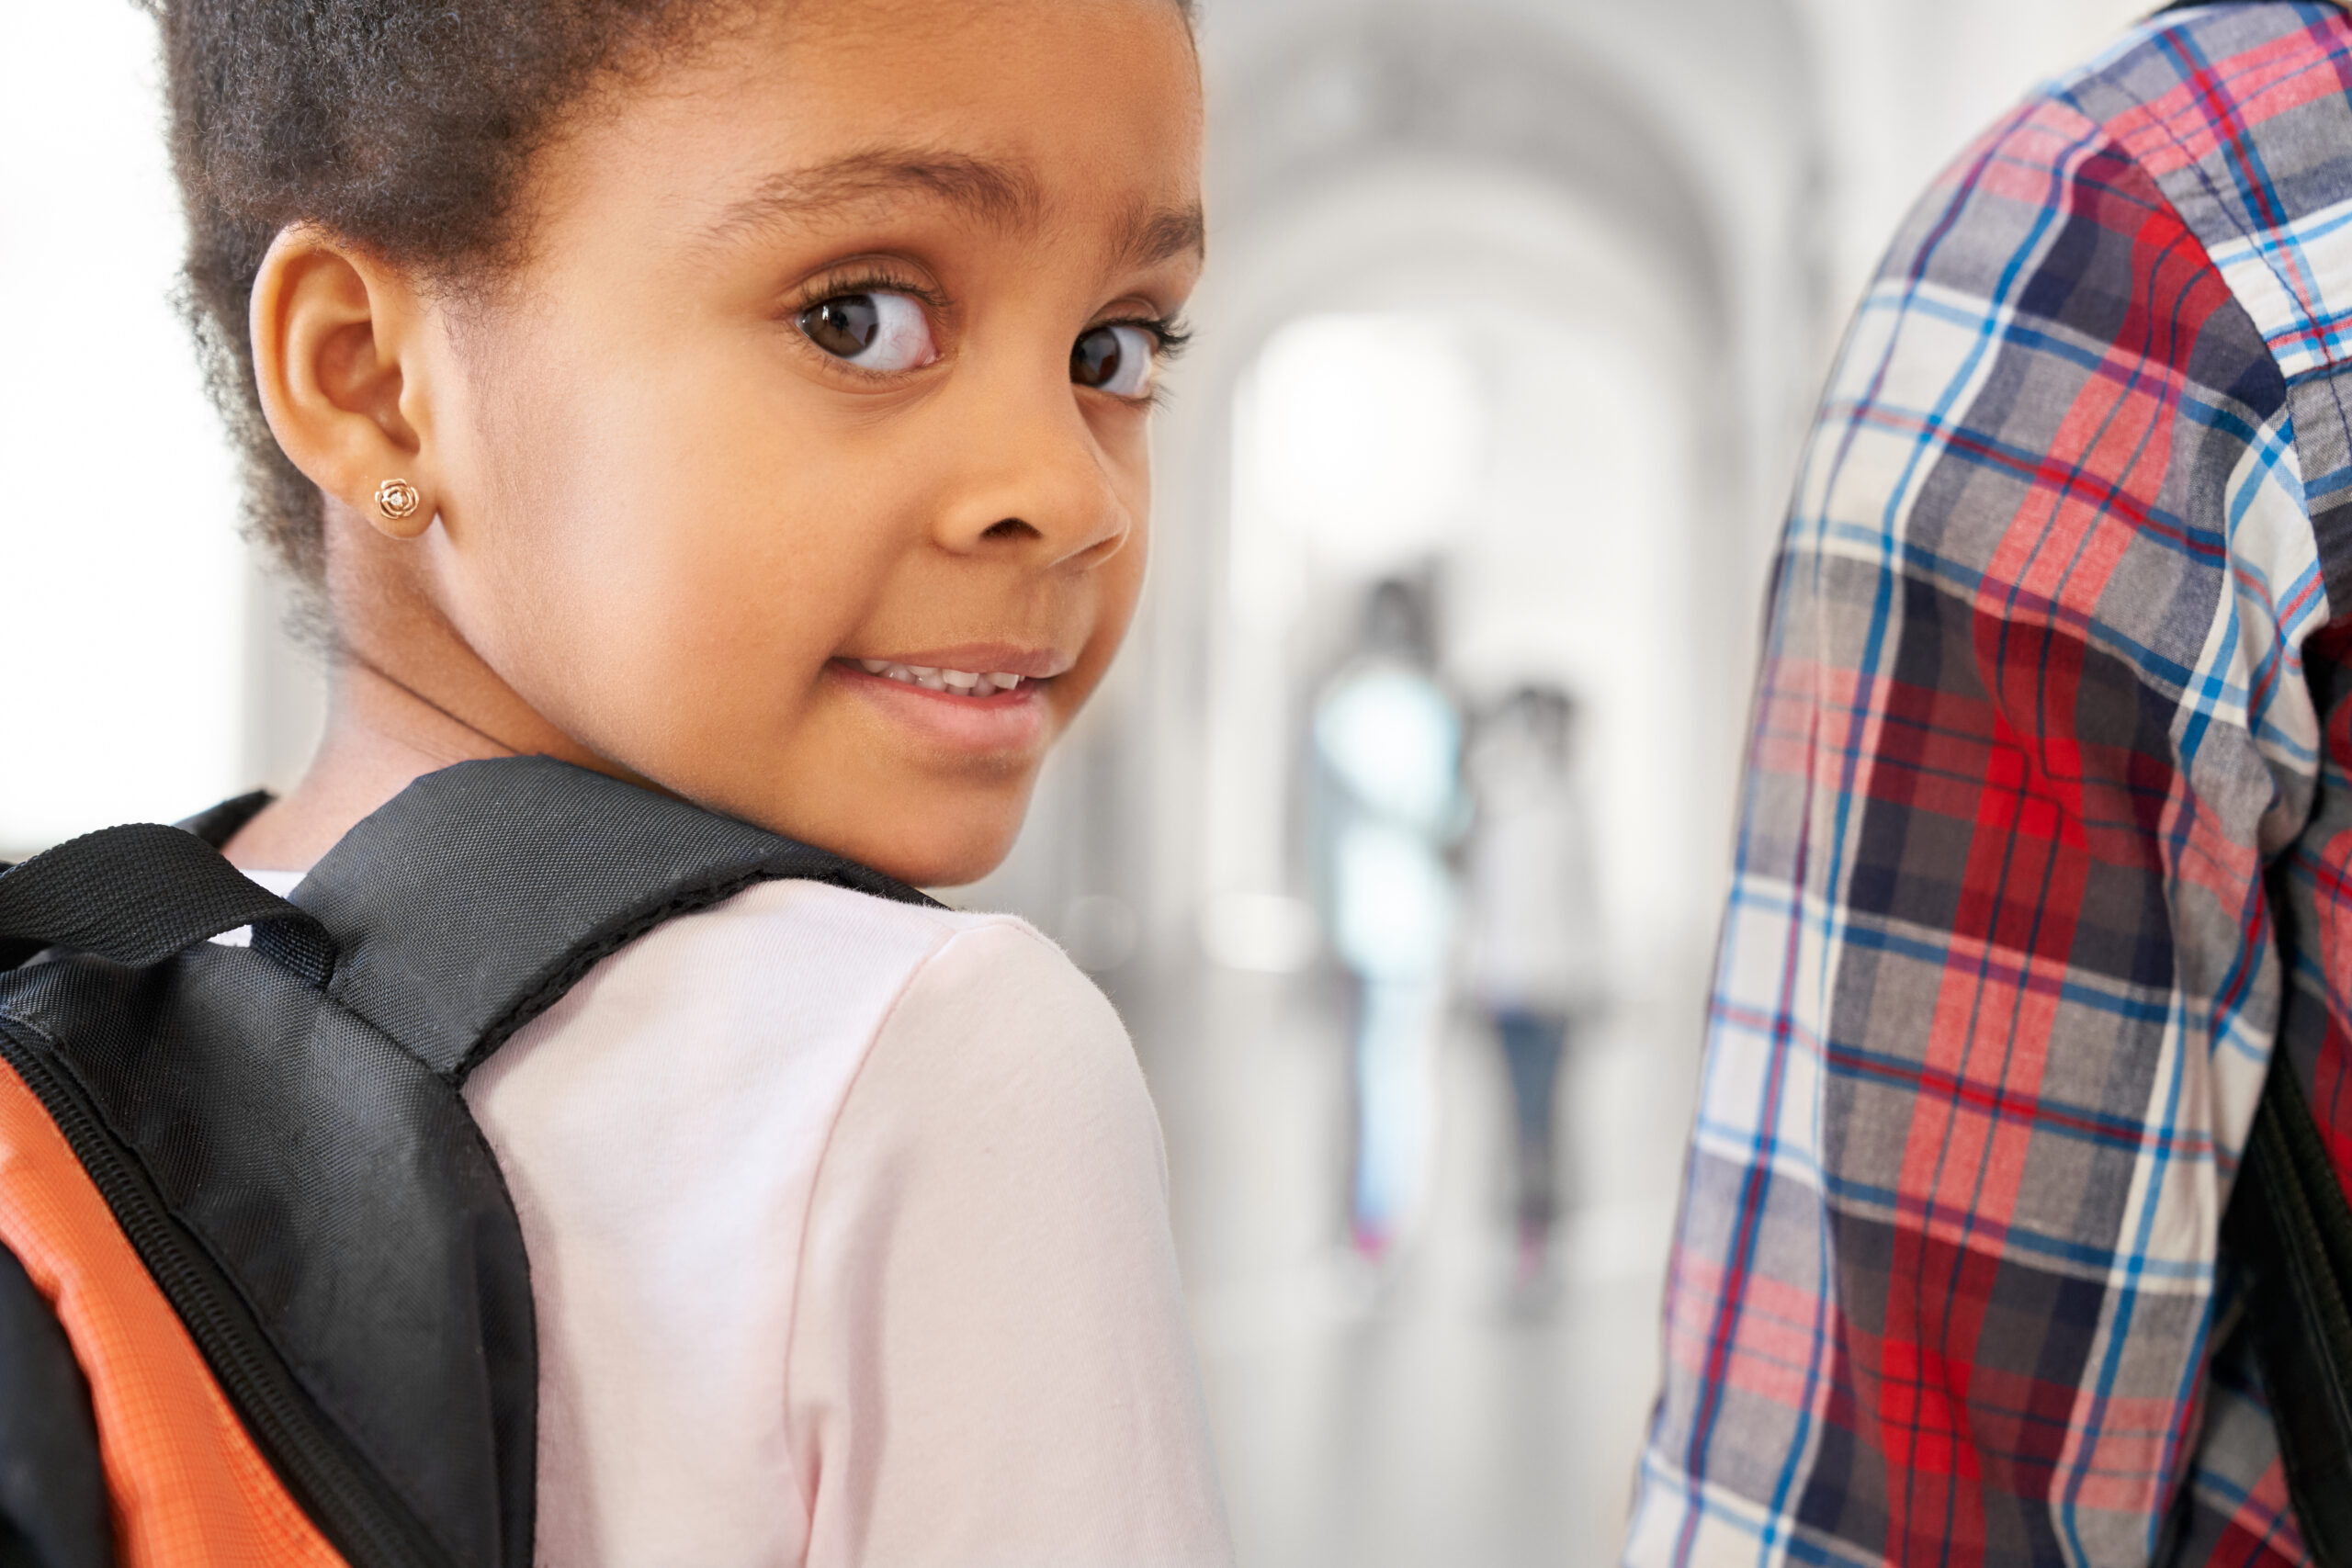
x=351, y=1506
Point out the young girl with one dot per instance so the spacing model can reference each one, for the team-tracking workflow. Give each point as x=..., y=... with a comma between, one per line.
x=749, y=402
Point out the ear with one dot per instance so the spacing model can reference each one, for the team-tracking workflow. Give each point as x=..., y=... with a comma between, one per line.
x=340, y=353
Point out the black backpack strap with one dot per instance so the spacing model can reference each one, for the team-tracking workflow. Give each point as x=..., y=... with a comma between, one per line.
x=475, y=899
x=217, y=825
x=139, y=893
x=2288, y=1221
x=52, y=1484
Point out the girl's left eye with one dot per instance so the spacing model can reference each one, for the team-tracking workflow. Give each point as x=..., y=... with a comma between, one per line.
x=1119, y=360
x=879, y=330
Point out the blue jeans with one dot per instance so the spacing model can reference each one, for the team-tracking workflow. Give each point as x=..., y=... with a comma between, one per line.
x=1532, y=1042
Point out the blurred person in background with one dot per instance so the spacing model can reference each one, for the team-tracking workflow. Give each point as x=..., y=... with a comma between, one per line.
x=2040, y=884
x=1388, y=739
x=1534, y=962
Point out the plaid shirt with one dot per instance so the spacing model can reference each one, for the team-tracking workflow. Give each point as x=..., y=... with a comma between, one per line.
x=2046, y=844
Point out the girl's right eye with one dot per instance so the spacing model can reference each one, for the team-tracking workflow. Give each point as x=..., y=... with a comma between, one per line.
x=880, y=331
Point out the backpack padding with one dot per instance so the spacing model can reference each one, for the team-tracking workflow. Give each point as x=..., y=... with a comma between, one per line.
x=2288, y=1223
x=52, y=1487
x=190, y=1488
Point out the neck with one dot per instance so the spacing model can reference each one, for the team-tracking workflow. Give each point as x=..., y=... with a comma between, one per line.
x=380, y=736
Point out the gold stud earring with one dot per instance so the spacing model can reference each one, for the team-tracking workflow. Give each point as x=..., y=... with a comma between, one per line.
x=397, y=500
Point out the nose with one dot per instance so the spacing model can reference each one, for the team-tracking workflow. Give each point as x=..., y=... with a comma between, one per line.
x=1036, y=484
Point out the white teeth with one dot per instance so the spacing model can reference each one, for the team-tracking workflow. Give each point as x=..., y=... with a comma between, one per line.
x=963, y=682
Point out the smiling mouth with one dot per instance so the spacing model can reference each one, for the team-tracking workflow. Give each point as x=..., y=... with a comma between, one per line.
x=954, y=682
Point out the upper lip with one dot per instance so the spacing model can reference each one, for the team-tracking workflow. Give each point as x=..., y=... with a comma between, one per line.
x=982, y=659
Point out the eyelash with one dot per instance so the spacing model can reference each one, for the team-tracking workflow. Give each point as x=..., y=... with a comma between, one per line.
x=1170, y=335
x=867, y=283
x=1170, y=338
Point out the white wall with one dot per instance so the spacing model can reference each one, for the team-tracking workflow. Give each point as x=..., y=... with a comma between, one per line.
x=123, y=582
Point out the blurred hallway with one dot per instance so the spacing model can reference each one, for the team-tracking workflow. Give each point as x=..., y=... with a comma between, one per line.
x=1425, y=1423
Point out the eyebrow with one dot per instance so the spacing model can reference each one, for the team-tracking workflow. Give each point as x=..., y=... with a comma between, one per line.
x=1158, y=234
x=1001, y=194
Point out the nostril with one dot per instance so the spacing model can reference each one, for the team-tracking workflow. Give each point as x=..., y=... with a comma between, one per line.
x=1010, y=528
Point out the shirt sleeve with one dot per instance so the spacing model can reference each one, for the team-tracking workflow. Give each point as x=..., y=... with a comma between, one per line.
x=1999, y=977
x=990, y=1362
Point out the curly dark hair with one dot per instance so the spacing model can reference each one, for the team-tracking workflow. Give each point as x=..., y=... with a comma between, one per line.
x=406, y=127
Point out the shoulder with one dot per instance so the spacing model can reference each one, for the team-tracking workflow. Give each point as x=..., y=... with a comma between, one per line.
x=2071, y=391
x=1000, y=1102
x=991, y=967
x=793, y=976
x=2237, y=110
x=998, y=1026
x=803, y=1017
x=989, y=1251
x=2130, y=299
x=2238, y=115
x=2095, y=272
x=806, y=934
x=980, y=999
x=924, y=1027
x=1001, y=1093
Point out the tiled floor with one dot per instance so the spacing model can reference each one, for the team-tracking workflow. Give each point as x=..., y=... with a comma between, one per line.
x=1423, y=1422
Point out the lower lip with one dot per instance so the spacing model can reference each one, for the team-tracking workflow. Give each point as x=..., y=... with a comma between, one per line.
x=1001, y=722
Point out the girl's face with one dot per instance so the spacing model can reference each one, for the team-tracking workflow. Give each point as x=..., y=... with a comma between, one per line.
x=803, y=468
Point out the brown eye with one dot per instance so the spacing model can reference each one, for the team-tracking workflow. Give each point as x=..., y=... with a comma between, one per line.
x=842, y=327
x=1118, y=359
x=875, y=332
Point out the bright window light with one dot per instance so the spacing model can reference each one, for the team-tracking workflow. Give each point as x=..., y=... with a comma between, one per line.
x=118, y=555
x=1369, y=438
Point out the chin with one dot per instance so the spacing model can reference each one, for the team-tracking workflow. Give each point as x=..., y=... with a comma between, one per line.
x=924, y=837
x=941, y=858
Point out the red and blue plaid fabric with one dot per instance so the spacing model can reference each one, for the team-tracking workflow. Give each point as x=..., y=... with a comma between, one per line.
x=2046, y=846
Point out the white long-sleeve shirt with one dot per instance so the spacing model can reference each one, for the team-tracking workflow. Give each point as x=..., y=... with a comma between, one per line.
x=848, y=1233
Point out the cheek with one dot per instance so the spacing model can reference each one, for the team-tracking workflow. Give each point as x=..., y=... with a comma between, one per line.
x=1124, y=577
x=1124, y=574
x=649, y=573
